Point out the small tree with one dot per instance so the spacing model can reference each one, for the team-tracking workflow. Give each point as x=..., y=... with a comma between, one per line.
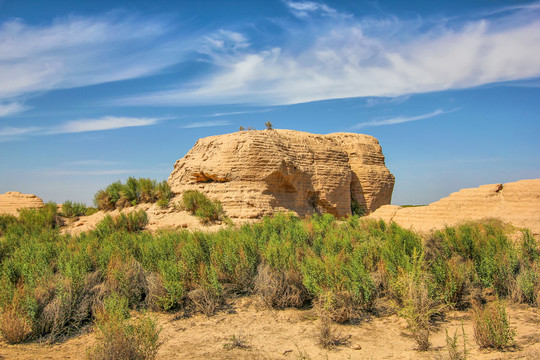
x=268, y=125
x=241, y=128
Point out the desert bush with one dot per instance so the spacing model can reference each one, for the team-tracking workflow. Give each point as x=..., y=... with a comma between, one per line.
x=280, y=288
x=164, y=194
x=191, y=200
x=64, y=306
x=339, y=267
x=119, y=338
x=236, y=342
x=201, y=206
x=452, y=345
x=208, y=295
x=235, y=257
x=147, y=190
x=133, y=192
x=15, y=326
x=132, y=222
x=75, y=209
x=5, y=222
x=418, y=308
x=529, y=247
x=39, y=220
x=328, y=336
x=492, y=326
x=126, y=277
x=528, y=285
x=166, y=288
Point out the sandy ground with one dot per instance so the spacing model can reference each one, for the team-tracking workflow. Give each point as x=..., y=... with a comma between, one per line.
x=293, y=334
x=169, y=218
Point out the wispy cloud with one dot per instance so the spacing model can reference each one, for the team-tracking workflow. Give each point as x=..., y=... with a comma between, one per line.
x=11, y=108
x=237, y=113
x=90, y=172
x=367, y=57
x=14, y=131
x=402, y=119
x=305, y=8
x=202, y=124
x=91, y=163
x=104, y=123
x=79, y=126
x=80, y=51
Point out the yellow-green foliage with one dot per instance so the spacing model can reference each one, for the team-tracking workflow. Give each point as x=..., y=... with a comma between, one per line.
x=201, y=206
x=492, y=326
x=49, y=282
x=119, y=337
x=133, y=192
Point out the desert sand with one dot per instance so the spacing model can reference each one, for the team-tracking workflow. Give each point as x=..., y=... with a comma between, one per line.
x=293, y=333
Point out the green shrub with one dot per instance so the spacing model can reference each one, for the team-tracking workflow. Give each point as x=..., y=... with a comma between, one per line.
x=5, y=222
x=133, y=192
x=119, y=338
x=528, y=282
x=132, y=222
x=164, y=194
x=529, y=247
x=15, y=325
x=201, y=206
x=492, y=326
x=39, y=220
x=71, y=209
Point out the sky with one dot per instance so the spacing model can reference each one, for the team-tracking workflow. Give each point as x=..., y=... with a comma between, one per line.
x=95, y=91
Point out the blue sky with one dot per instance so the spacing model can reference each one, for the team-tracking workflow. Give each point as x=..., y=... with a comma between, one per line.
x=96, y=91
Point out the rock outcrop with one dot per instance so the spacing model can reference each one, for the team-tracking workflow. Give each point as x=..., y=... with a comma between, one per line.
x=517, y=203
x=254, y=173
x=13, y=201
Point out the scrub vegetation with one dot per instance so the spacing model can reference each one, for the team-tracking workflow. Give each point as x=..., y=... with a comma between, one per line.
x=135, y=191
x=52, y=284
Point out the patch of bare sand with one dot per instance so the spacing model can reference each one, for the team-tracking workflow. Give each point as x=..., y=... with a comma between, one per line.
x=158, y=218
x=292, y=334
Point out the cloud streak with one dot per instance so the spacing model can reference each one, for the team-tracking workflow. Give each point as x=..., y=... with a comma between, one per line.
x=11, y=108
x=104, y=123
x=401, y=119
x=202, y=124
x=81, y=51
x=79, y=126
x=303, y=9
x=365, y=57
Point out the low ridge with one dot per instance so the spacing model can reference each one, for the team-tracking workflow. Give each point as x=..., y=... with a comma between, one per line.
x=517, y=203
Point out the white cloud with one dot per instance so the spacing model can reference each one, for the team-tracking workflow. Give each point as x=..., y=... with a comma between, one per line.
x=90, y=172
x=12, y=108
x=14, y=131
x=80, y=51
x=206, y=124
x=340, y=58
x=104, y=123
x=401, y=119
x=91, y=163
x=304, y=8
x=79, y=126
x=237, y=113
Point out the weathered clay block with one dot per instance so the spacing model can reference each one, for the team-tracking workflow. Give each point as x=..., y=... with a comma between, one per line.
x=254, y=173
x=13, y=201
x=517, y=203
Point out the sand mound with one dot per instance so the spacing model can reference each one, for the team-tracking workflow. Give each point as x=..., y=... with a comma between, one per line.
x=254, y=173
x=517, y=203
x=13, y=201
